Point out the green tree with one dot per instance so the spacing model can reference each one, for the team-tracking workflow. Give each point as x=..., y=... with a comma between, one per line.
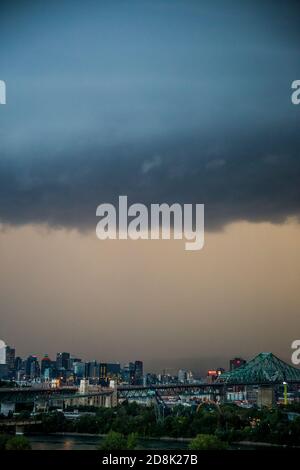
x=207, y=442
x=205, y=422
x=117, y=441
x=18, y=443
x=53, y=422
x=114, y=441
x=87, y=423
x=3, y=440
x=132, y=441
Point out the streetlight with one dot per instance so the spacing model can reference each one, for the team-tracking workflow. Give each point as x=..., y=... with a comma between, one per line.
x=285, y=396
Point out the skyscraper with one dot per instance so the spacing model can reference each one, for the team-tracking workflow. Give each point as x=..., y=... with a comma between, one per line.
x=10, y=354
x=182, y=375
x=46, y=363
x=103, y=370
x=138, y=373
x=79, y=369
x=92, y=370
x=2, y=352
x=128, y=373
x=7, y=355
x=32, y=368
x=63, y=361
x=113, y=369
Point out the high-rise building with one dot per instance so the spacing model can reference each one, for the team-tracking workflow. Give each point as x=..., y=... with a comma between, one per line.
x=236, y=362
x=19, y=363
x=92, y=370
x=128, y=373
x=46, y=363
x=103, y=370
x=10, y=357
x=132, y=373
x=7, y=355
x=182, y=375
x=63, y=361
x=4, y=373
x=113, y=369
x=2, y=352
x=50, y=371
x=138, y=373
x=79, y=370
x=32, y=368
x=73, y=361
x=103, y=376
x=212, y=375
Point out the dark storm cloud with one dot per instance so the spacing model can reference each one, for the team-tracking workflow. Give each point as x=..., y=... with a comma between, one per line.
x=162, y=101
x=252, y=178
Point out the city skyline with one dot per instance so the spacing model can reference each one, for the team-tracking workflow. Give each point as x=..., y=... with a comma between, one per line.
x=9, y=356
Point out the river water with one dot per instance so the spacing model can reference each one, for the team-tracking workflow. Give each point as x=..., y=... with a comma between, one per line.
x=72, y=442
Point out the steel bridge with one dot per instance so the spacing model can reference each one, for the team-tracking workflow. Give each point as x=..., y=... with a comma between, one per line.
x=264, y=369
x=31, y=394
x=122, y=392
x=162, y=392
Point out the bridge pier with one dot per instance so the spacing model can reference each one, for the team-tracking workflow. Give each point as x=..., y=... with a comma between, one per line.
x=40, y=406
x=266, y=397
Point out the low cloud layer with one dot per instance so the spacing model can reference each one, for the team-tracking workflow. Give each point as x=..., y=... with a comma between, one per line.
x=251, y=178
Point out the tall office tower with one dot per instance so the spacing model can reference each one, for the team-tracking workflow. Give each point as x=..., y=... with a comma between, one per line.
x=46, y=363
x=182, y=375
x=4, y=373
x=138, y=373
x=103, y=371
x=79, y=369
x=63, y=361
x=32, y=368
x=73, y=361
x=7, y=355
x=84, y=386
x=19, y=363
x=10, y=357
x=35, y=371
x=92, y=370
x=128, y=373
x=190, y=376
x=212, y=376
x=113, y=369
x=236, y=362
x=2, y=352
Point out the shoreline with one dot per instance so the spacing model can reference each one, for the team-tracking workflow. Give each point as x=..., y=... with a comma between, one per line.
x=171, y=439
x=146, y=438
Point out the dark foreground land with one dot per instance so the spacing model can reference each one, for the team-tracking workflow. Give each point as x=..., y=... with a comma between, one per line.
x=206, y=427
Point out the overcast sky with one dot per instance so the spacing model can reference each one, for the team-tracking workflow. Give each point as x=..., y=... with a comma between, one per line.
x=165, y=101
